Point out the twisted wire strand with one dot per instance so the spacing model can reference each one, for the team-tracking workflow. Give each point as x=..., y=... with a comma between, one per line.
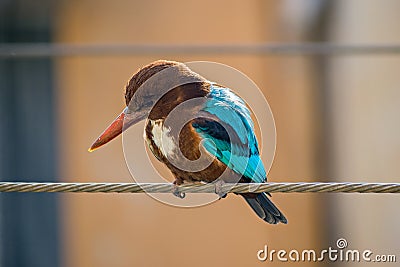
x=17, y=50
x=344, y=187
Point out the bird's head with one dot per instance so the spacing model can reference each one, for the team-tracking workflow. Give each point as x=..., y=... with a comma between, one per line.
x=149, y=89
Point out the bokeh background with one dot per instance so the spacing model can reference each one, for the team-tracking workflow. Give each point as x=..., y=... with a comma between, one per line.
x=337, y=119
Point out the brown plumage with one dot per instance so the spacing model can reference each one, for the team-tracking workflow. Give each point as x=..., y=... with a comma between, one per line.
x=144, y=74
x=189, y=142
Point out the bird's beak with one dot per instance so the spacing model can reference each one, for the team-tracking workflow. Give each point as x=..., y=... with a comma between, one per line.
x=120, y=124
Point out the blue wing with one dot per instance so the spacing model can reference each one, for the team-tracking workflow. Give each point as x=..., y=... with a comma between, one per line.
x=230, y=135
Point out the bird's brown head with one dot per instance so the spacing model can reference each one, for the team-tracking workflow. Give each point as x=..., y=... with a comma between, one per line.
x=148, y=88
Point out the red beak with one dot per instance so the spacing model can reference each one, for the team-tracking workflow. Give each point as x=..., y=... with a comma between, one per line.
x=112, y=131
x=124, y=120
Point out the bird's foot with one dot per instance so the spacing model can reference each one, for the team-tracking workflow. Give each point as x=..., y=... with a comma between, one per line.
x=219, y=189
x=176, y=192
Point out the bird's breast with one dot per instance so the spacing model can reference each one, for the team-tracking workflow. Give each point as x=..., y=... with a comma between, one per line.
x=166, y=147
x=159, y=139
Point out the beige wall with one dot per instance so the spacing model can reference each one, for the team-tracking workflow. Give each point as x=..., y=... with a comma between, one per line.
x=364, y=97
x=128, y=230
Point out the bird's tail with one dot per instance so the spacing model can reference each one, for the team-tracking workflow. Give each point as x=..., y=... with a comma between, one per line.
x=264, y=208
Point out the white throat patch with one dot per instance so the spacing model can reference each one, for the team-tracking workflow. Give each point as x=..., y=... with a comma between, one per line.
x=162, y=138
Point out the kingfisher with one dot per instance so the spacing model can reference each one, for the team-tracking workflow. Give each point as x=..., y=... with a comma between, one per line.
x=218, y=128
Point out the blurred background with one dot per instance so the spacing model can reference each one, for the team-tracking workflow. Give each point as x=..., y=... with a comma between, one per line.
x=337, y=119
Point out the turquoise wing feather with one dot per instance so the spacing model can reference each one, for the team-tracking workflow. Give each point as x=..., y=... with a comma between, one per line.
x=228, y=133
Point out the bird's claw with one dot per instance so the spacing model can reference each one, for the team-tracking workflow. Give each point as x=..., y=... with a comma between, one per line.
x=177, y=193
x=219, y=189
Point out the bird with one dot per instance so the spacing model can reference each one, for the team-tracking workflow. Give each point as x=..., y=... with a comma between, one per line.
x=219, y=129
